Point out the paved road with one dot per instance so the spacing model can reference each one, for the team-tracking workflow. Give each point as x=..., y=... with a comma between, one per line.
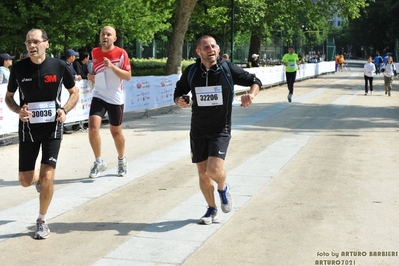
x=314, y=182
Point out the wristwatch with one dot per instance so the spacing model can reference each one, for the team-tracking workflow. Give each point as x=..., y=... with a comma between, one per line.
x=65, y=110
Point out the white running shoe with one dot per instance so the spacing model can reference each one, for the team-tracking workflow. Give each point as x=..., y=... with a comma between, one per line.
x=122, y=166
x=210, y=216
x=42, y=230
x=226, y=199
x=97, y=168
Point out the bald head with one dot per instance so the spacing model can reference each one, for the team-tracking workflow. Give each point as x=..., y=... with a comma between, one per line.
x=109, y=28
x=107, y=38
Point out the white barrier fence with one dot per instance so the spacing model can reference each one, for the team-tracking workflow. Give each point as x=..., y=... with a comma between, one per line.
x=276, y=74
x=149, y=92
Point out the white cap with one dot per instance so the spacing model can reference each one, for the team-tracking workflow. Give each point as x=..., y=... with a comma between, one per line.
x=255, y=55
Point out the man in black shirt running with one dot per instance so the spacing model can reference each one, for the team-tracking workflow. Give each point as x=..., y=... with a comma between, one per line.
x=211, y=83
x=39, y=80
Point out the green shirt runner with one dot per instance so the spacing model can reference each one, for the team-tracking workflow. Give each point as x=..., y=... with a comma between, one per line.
x=289, y=61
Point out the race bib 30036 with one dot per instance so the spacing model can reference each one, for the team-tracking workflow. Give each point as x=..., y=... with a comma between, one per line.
x=42, y=112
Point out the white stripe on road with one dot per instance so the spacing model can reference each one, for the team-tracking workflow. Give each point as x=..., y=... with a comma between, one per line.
x=173, y=238
x=19, y=218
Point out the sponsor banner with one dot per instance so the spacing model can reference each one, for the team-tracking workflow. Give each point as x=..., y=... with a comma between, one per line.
x=149, y=92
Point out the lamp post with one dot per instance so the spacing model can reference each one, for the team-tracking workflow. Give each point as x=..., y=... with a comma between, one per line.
x=232, y=31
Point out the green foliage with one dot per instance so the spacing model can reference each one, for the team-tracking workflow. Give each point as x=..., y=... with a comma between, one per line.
x=152, y=66
x=74, y=24
x=377, y=27
x=269, y=19
x=209, y=17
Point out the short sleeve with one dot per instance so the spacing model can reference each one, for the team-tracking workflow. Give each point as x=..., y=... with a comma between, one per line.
x=68, y=79
x=12, y=81
x=126, y=61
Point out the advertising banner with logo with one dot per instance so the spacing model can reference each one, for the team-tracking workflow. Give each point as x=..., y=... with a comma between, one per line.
x=149, y=92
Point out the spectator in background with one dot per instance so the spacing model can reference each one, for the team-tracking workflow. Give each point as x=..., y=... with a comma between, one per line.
x=336, y=62
x=377, y=62
x=369, y=72
x=389, y=71
x=255, y=60
x=80, y=65
x=226, y=57
x=5, y=63
x=23, y=55
x=341, y=63
x=70, y=56
x=349, y=55
x=385, y=59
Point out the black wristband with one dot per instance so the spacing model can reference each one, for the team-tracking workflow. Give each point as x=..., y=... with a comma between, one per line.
x=65, y=110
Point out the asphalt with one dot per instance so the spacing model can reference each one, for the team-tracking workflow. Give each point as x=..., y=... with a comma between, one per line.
x=314, y=182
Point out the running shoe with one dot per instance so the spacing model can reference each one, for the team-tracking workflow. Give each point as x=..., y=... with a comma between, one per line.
x=289, y=97
x=210, y=216
x=122, y=167
x=97, y=168
x=38, y=186
x=225, y=199
x=42, y=230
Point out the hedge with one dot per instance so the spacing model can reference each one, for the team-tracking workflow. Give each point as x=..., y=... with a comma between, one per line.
x=152, y=66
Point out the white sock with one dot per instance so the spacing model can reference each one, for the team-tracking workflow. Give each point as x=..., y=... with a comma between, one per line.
x=42, y=217
x=121, y=159
x=99, y=160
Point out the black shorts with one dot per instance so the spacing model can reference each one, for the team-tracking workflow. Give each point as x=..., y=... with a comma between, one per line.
x=28, y=152
x=100, y=107
x=206, y=145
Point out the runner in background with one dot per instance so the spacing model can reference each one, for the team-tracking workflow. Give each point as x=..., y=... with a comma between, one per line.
x=291, y=62
x=111, y=65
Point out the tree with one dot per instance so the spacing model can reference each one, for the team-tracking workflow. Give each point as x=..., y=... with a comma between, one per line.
x=71, y=26
x=259, y=21
x=256, y=21
x=183, y=12
x=210, y=17
x=377, y=28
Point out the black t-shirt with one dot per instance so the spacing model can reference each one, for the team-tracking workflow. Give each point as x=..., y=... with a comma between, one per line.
x=254, y=62
x=212, y=119
x=81, y=69
x=40, y=83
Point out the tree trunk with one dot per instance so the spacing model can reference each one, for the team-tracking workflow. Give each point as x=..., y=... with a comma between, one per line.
x=254, y=46
x=183, y=12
